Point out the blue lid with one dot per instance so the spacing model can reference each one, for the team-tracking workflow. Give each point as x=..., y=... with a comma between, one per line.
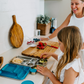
x=27, y=82
x=33, y=70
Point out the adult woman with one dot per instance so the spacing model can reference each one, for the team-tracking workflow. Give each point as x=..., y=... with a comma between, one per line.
x=76, y=18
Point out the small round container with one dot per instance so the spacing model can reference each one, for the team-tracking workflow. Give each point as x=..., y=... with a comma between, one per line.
x=27, y=82
x=33, y=71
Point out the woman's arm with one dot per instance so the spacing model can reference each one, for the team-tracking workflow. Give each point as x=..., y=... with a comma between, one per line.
x=64, y=24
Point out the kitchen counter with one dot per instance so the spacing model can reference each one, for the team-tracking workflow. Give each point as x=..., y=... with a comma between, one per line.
x=37, y=78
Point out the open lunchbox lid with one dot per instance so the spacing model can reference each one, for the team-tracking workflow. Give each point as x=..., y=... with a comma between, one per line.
x=27, y=82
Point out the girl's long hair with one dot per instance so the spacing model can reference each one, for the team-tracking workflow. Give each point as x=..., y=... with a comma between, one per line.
x=71, y=38
x=82, y=10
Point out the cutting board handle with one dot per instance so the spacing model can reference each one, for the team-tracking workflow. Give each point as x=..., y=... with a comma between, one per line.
x=1, y=61
x=14, y=19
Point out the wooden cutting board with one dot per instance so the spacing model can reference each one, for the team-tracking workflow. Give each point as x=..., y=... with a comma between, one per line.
x=1, y=61
x=33, y=51
x=16, y=34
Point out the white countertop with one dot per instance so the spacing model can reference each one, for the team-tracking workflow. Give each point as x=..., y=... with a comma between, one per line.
x=37, y=78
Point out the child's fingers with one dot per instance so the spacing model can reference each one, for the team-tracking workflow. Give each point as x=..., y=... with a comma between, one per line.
x=39, y=67
x=40, y=71
x=45, y=57
x=42, y=55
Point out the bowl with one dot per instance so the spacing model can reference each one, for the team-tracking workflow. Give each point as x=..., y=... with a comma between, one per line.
x=27, y=82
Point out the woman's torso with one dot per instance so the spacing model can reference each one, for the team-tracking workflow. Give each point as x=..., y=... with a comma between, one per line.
x=79, y=22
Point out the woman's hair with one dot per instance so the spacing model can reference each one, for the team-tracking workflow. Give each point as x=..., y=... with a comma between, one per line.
x=71, y=38
x=83, y=8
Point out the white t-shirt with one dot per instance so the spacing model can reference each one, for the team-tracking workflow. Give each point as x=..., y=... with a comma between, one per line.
x=79, y=22
x=76, y=65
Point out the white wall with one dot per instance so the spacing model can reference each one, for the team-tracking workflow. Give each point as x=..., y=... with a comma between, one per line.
x=26, y=12
x=58, y=9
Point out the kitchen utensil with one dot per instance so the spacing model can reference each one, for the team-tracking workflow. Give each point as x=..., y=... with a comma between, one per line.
x=34, y=52
x=14, y=71
x=53, y=46
x=38, y=32
x=1, y=61
x=27, y=82
x=16, y=34
x=27, y=61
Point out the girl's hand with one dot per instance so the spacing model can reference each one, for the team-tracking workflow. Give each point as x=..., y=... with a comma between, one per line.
x=46, y=55
x=44, y=71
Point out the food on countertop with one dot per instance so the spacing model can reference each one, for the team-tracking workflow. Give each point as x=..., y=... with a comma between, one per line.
x=17, y=60
x=36, y=39
x=29, y=61
x=30, y=42
x=41, y=45
x=43, y=60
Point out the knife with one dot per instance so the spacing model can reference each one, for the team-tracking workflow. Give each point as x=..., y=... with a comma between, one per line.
x=53, y=46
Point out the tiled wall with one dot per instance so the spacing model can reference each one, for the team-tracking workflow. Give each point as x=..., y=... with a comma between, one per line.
x=26, y=12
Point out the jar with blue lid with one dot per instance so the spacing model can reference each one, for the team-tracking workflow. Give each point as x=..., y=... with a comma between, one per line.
x=33, y=71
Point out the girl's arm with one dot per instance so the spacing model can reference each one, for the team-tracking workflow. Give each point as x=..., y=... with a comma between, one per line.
x=46, y=55
x=53, y=79
x=64, y=24
x=46, y=72
x=69, y=76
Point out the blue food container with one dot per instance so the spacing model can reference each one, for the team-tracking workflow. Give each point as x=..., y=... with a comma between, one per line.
x=27, y=82
x=36, y=39
x=15, y=71
x=33, y=71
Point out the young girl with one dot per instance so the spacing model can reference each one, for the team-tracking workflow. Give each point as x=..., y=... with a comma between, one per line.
x=69, y=69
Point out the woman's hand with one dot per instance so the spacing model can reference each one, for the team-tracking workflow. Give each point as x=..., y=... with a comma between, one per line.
x=45, y=55
x=44, y=71
x=44, y=39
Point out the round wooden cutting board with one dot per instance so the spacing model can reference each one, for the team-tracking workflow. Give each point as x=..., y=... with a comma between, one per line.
x=16, y=34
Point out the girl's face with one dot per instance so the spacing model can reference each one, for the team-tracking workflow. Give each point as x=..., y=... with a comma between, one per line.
x=77, y=6
x=61, y=45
